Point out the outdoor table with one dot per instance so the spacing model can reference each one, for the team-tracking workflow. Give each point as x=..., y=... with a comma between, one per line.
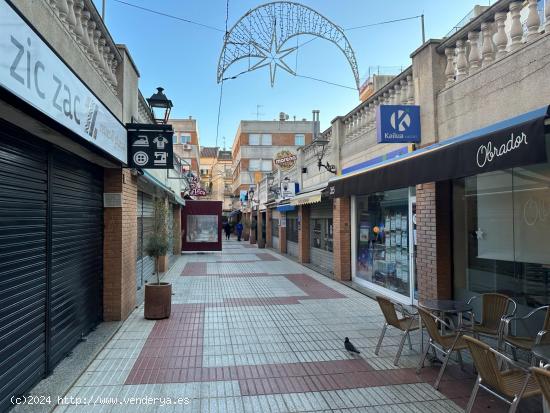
x=542, y=352
x=447, y=307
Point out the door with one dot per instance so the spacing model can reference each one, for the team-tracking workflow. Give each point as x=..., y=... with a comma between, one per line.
x=412, y=246
x=23, y=275
x=77, y=251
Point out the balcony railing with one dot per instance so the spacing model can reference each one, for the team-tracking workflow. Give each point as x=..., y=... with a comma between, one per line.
x=492, y=35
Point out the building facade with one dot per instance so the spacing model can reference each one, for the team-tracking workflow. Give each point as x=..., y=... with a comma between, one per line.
x=71, y=209
x=187, y=143
x=222, y=179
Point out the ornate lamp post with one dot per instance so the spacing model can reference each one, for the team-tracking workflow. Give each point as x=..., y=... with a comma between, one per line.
x=160, y=106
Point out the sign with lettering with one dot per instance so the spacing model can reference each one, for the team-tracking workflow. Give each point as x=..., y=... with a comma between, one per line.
x=34, y=73
x=150, y=146
x=285, y=160
x=398, y=124
x=195, y=186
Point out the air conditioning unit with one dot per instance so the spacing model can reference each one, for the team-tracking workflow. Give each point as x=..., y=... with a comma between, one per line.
x=186, y=147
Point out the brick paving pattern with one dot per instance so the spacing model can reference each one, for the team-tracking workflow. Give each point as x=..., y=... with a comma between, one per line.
x=255, y=332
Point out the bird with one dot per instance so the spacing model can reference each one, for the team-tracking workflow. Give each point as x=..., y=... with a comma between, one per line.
x=350, y=347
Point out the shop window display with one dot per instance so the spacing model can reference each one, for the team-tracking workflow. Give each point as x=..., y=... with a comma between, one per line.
x=322, y=233
x=383, y=240
x=202, y=228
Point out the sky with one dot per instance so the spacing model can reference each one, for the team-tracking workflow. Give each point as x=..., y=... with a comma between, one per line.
x=183, y=57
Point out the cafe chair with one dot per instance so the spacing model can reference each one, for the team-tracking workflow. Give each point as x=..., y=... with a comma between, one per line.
x=406, y=324
x=542, y=376
x=444, y=343
x=494, y=311
x=526, y=343
x=509, y=385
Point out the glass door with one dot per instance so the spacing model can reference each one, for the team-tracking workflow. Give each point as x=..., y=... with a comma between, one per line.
x=412, y=244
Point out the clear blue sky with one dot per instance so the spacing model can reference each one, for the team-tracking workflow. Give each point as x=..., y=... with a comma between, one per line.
x=183, y=58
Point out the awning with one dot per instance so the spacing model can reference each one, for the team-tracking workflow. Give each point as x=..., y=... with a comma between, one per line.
x=307, y=198
x=169, y=191
x=286, y=208
x=511, y=143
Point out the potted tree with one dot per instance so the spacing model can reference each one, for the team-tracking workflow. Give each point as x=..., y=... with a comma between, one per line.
x=158, y=295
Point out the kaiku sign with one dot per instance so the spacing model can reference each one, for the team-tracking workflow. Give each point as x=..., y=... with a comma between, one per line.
x=488, y=152
x=33, y=72
x=398, y=124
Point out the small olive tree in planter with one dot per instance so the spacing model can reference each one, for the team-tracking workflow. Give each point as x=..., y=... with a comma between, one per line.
x=158, y=295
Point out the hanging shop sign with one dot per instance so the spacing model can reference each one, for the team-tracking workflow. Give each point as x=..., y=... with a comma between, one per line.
x=398, y=124
x=33, y=72
x=285, y=160
x=289, y=189
x=195, y=186
x=150, y=146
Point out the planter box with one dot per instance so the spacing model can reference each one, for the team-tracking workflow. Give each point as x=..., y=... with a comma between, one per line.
x=158, y=301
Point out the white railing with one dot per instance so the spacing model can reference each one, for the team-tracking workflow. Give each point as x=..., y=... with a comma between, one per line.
x=399, y=91
x=501, y=29
x=82, y=21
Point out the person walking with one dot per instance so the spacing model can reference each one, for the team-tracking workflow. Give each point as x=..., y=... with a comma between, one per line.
x=239, y=228
x=227, y=228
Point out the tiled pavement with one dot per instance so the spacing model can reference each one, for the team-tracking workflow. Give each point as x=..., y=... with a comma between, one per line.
x=253, y=331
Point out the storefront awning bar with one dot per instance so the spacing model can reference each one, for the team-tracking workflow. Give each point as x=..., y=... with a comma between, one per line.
x=150, y=178
x=286, y=208
x=511, y=143
x=307, y=198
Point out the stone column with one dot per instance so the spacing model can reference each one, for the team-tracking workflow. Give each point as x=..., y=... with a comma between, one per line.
x=341, y=219
x=268, y=228
x=119, y=246
x=177, y=229
x=433, y=229
x=303, y=234
x=282, y=233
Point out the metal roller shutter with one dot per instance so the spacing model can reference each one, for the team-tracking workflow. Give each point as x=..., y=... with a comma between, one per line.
x=23, y=218
x=145, y=214
x=170, y=226
x=77, y=251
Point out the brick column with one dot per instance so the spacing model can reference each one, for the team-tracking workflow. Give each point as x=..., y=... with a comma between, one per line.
x=261, y=240
x=268, y=234
x=282, y=233
x=177, y=229
x=433, y=234
x=119, y=246
x=341, y=219
x=303, y=234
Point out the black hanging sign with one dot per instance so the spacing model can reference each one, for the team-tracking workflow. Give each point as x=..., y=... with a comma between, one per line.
x=150, y=146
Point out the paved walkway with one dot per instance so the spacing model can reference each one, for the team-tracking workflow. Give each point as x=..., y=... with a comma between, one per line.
x=252, y=331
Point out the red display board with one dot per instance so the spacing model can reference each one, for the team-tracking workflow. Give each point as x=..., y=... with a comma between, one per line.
x=201, y=224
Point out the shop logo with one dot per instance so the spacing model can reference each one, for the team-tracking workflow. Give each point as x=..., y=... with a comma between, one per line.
x=400, y=120
x=285, y=160
x=488, y=153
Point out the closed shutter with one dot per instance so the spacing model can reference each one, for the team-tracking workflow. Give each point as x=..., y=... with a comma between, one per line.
x=23, y=218
x=145, y=265
x=170, y=229
x=321, y=210
x=77, y=251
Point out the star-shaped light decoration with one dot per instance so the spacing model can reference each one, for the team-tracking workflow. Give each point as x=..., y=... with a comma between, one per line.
x=273, y=57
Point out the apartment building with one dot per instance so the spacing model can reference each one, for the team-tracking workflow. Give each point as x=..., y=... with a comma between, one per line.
x=257, y=144
x=222, y=179
x=187, y=143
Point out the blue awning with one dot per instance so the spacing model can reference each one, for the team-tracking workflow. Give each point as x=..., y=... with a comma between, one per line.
x=515, y=142
x=286, y=208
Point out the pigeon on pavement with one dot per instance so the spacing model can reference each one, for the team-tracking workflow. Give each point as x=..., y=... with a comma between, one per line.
x=350, y=347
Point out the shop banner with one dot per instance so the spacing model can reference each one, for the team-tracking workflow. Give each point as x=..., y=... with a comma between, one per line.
x=512, y=143
x=398, y=124
x=150, y=146
x=33, y=72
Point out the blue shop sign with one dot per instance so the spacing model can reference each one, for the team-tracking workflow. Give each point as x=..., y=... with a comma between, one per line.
x=398, y=124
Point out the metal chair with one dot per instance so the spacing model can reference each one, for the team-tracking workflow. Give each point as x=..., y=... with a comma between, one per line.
x=494, y=313
x=404, y=324
x=542, y=376
x=445, y=343
x=515, y=383
x=526, y=343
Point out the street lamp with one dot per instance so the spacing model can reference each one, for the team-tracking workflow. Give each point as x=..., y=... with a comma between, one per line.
x=320, y=148
x=160, y=106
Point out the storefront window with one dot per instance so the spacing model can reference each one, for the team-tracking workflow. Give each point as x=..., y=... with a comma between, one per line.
x=202, y=228
x=321, y=233
x=292, y=229
x=501, y=233
x=383, y=240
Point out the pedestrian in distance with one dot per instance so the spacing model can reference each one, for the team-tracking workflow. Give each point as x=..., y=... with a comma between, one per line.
x=227, y=229
x=239, y=229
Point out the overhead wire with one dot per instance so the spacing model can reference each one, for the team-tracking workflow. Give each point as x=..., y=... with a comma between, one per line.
x=222, y=81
